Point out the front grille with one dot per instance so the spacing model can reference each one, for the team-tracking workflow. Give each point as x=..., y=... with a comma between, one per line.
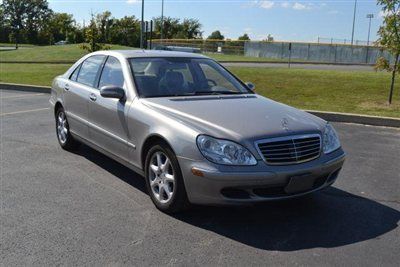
x=290, y=149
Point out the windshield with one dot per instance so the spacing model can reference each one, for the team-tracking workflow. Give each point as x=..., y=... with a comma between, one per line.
x=158, y=77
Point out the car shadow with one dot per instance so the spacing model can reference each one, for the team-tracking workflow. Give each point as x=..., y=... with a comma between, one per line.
x=115, y=168
x=330, y=218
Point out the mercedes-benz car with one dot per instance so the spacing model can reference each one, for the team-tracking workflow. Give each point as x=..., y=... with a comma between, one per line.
x=192, y=129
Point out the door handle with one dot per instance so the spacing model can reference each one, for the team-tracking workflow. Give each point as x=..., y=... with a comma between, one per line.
x=66, y=87
x=93, y=97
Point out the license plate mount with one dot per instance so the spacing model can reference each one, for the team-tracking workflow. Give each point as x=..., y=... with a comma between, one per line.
x=301, y=183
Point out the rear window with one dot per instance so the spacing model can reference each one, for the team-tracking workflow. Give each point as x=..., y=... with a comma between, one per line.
x=74, y=75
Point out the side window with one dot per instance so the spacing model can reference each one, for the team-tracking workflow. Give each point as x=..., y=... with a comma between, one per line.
x=112, y=73
x=74, y=75
x=89, y=69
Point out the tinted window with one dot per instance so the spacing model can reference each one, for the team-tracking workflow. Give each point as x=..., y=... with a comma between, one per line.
x=75, y=73
x=157, y=77
x=89, y=69
x=112, y=73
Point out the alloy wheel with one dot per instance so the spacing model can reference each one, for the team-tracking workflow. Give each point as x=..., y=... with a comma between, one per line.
x=62, y=127
x=161, y=177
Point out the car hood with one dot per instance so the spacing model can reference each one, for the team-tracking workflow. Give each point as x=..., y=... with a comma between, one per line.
x=237, y=117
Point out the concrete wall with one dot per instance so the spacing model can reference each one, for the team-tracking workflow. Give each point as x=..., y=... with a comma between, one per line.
x=327, y=53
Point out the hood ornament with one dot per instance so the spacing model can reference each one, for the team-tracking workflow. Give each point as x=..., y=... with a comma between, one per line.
x=285, y=124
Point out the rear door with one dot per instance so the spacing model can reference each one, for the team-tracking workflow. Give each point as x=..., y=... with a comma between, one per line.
x=108, y=126
x=76, y=94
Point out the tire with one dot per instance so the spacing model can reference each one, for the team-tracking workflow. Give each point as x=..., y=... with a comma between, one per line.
x=64, y=136
x=164, y=177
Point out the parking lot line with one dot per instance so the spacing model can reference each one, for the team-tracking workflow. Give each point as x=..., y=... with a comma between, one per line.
x=21, y=96
x=23, y=111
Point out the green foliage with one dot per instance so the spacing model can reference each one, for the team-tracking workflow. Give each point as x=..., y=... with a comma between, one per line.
x=173, y=28
x=26, y=18
x=269, y=38
x=389, y=38
x=244, y=37
x=124, y=31
x=216, y=35
x=93, y=38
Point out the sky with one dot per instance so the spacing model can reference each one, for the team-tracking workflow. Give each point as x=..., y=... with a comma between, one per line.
x=285, y=20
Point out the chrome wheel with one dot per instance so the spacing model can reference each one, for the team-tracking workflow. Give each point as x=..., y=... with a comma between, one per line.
x=62, y=127
x=161, y=177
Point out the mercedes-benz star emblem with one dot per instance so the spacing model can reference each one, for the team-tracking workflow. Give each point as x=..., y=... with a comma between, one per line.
x=285, y=124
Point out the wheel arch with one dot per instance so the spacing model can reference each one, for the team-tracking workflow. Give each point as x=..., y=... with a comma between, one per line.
x=57, y=106
x=150, y=141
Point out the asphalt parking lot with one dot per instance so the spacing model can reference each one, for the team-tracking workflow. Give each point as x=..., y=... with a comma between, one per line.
x=82, y=208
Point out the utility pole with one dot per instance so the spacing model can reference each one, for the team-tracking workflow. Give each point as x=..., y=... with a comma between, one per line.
x=370, y=17
x=142, y=26
x=162, y=21
x=354, y=22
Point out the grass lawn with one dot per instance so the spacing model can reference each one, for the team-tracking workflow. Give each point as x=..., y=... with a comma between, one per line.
x=36, y=74
x=54, y=53
x=354, y=92
x=326, y=90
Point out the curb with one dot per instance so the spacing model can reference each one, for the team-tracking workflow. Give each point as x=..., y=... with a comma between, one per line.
x=356, y=118
x=328, y=116
x=26, y=88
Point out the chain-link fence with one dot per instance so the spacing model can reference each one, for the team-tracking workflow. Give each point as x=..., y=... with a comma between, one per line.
x=297, y=51
x=324, y=40
x=321, y=53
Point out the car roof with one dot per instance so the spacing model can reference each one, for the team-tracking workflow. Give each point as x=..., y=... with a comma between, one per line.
x=138, y=53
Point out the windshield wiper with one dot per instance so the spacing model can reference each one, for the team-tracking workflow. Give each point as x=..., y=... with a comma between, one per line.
x=217, y=93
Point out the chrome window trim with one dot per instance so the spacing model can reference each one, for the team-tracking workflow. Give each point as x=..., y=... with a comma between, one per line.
x=288, y=138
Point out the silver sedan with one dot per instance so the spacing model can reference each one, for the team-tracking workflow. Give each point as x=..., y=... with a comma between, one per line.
x=194, y=131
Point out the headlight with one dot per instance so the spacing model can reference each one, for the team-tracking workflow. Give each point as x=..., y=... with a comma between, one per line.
x=224, y=152
x=331, y=140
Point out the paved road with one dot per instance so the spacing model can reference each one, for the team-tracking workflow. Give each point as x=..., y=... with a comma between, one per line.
x=301, y=66
x=85, y=209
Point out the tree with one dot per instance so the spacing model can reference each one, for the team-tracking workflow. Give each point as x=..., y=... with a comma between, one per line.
x=244, y=37
x=28, y=16
x=92, y=38
x=171, y=27
x=104, y=23
x=269, y=38
x=125, y=31
x=389, y=38
x=5, y=29
x=216, y=35
x=191, y=29
x=61, y=26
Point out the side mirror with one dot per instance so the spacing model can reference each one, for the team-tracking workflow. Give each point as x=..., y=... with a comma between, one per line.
x=251, y=86
x=111, y=91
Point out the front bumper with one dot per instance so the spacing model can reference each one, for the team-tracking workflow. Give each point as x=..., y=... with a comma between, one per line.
x=222, y=185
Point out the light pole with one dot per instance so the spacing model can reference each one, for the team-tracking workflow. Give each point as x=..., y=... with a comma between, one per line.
x=162, y=21
x=354, y=21
x=142, y=26
x=370, y=17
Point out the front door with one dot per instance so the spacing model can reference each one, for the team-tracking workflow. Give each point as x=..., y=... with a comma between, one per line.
x=108, y=126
